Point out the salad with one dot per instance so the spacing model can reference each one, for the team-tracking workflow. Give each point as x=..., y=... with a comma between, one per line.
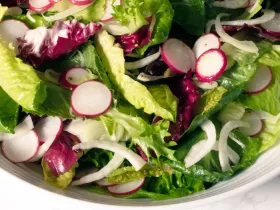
x=150, y=99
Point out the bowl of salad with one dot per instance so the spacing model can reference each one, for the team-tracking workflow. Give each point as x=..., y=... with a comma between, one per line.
x=130, y=102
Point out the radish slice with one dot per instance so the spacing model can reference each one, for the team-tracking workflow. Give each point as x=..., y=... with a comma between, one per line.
x=109, y=9
x=73, y=77
x=39, y=5
x=14, y=11
x=260, y=81
x=247, y=46
x=143, y=62
x=105, y=171
x=211, y=65
x=81, y=2
x=21, y=148
x=256, y=124
x=127, y=188
x=91, y=99
x=195, y=155
x=232, y=155
x=205, y=85
x=104, y=183
x=205, y=43
x=11, y=30
x=223, y=151
x=54, y=1
x=48, y=129
x=231, y=4
x=178, y=56
x=136, y=161
x=273, y=26
x=24, y=127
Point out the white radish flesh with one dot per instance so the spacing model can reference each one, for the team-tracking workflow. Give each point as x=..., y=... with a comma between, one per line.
x=256, y=124
x=205, y=43
x=136, y=161
x=81, y=2
x=197, y=154
x=21, y=148
x=11, y=30
x=91, y=99
x=260, y=80
x=127, y=188
x=205, y=85
x=178, y=56
x=104, y=183
x=109, y=9
x=39, y=5
x=273, y=26
x=14, y=11
x=211, y=65
x=73, y=77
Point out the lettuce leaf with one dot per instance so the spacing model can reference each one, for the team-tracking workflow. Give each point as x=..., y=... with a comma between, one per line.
x=9, y=111
x=19, y=80
x=271, y=58
x=268, y=100
x=134, y=92
x=2, y=11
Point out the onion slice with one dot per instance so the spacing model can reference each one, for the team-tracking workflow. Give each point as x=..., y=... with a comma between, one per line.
x=136, y=161
x=210, y=130
x=223, y=151
x=66, y=13
x=266, y=116
x=143, y=62
x=232, y=155
x=231, y=4
x=247, y=46
x=105, y=171
x=237, y=141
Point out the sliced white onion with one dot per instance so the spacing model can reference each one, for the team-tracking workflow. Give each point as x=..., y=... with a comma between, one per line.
x=232, y=155
x=143, y=62
x=105, y=171
x=205, y=85
x=14, y=11
x=231, y=4
x=29, y=16
x=136, y=161
x=266, y=116
x=71, y=11
x=52, y=76
x=223, y=151
x=237, y=141
x=194, y=157
x=247, y=46
x=148, y=78
x=252, y=8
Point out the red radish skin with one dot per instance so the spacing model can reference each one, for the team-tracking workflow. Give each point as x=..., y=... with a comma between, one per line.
x=178, y=56
x=206, y=42
x=39, y=5
x=256, y=124
x=17, y=150
x=68, y=77
x=260, y=81
x=109, y=10
x=104, y=183
x=128, y=188
x=81, y=2
x=91, y=99
x=211, y=65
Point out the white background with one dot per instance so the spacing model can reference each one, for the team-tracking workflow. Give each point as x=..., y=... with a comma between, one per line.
x=17, y=195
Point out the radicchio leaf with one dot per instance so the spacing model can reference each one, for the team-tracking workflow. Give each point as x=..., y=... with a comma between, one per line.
x=11, y=3
x=42, y=44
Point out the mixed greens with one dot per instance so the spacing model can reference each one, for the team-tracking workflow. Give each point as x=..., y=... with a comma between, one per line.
x=150, y=99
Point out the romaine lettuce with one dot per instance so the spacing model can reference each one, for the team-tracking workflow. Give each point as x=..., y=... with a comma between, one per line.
x=2, y=11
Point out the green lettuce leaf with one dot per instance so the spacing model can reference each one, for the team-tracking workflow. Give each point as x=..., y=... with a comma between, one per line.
x=95, y=157
x=2, y=11
x=9, y=111
x=267, y=100
x=39, y=20
x=271, y=58
x=164, y=17
x=61, y=181
x=19, y=80
x=134, y=92
x=248, y=15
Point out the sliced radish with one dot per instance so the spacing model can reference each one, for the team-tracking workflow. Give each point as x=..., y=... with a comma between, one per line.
x=273, y=26
x=11, y=30
x=48, y=129
x=205, y=43
x=73, y=77
x=178, y=56
x=14, y=11
x=127, y=188
x=91, y=99
x=256, y=124
x=24, y=127
x=39, y=5
x=211, y=65
x=21, y=148
x=54, y=1
x=81, y=2
x=260, y=81
x=104, y=183
x=109, y=9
